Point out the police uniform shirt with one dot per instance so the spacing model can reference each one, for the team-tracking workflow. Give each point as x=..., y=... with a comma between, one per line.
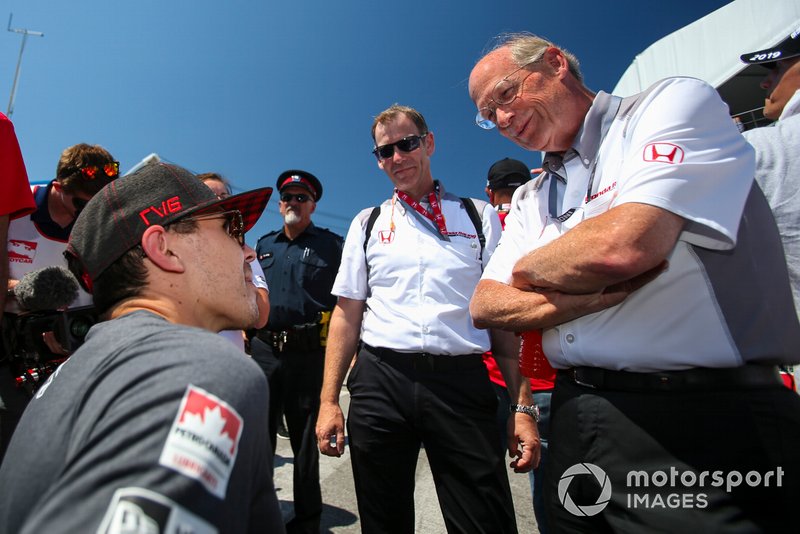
x=678, y=150
x=300, y=273
x=419, y=283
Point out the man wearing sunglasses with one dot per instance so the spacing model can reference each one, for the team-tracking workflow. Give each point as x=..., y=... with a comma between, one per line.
x=37, y=241
x=155, y=420
x=654, y=267
x=300, y=261
x=419, y=378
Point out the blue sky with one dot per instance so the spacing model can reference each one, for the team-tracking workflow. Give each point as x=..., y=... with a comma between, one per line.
x=251, y=88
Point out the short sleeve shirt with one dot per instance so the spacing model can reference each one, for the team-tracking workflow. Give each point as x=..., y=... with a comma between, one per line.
x=417, y=283
x=677, y=149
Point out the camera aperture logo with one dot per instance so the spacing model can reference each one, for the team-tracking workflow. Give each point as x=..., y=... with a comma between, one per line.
x=590, y=509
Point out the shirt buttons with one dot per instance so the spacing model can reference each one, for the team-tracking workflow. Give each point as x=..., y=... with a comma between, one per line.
x=570, y=338
x=586, y=161
x=425, y=329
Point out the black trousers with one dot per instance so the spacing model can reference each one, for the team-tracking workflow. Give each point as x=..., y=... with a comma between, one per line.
x=669, y=439
x=295, y=382
x=395, y=408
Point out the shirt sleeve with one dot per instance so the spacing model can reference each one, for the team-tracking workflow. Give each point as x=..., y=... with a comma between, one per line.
x=684, y=154
x=351, y=280
x=16, y=199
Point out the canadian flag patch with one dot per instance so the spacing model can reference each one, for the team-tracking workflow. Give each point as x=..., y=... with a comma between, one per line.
x=204, y=440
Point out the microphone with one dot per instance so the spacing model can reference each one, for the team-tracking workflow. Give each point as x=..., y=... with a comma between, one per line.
x=49, y=288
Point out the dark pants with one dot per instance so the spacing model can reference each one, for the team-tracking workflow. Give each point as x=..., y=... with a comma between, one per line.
x=295, y=381
x=669, y=439
x=394, y=408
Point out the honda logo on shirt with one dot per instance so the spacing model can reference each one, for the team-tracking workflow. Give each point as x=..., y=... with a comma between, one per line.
x=386, y=236
x=663, y=153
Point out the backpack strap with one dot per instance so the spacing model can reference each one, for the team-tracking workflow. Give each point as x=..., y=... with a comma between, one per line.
x=475, y=217
x=373, y=216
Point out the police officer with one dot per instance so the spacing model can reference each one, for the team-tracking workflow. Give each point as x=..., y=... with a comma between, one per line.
x=300, y=262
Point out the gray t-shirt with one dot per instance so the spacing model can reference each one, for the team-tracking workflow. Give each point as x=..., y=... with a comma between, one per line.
x=151, y=425
x=778, y=174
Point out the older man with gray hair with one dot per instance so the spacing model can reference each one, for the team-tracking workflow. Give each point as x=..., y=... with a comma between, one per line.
x=636, y=254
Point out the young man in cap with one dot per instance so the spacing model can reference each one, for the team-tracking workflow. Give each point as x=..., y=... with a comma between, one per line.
x=300, y=261
x=419, y=379
x=38, y=241
x=777, y=160
x=655, y=270
x=155, y=420
x=505, y=176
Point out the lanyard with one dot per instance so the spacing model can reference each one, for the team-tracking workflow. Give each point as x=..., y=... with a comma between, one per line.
x=436, y=217
x=608, y=119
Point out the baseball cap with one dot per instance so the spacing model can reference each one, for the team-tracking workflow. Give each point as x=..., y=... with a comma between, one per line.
x=298, y=178
x=507, y=173
x=788, y=48
x=114, y=221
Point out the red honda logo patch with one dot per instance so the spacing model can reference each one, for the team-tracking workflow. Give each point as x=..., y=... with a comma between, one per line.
x=386, y=236
x=663, y=153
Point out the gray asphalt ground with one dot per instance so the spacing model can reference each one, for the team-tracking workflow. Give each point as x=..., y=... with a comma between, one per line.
x=340, y=510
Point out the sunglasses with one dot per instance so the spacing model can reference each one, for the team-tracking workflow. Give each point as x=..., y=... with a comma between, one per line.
x=300, y=197
x=90, y=172
x=234, y=223
x=406, y=144
x=79, y=204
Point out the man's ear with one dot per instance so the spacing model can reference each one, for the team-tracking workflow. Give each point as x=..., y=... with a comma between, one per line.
x=557, y=61
x=156, y=242
x=430, y=144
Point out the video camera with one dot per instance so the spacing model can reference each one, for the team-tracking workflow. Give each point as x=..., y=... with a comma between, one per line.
x=42, y=296
x=27, y=353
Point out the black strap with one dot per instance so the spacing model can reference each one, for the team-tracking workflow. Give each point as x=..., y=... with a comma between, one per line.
x=477, y=222
x=370, y=223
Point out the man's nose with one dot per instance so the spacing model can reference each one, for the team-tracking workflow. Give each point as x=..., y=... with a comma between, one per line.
x=249, y=253
x=504, y=117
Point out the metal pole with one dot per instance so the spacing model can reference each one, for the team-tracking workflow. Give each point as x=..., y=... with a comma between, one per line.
x=25, y=33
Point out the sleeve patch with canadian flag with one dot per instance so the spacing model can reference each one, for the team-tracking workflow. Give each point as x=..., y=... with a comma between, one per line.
x=203, y=440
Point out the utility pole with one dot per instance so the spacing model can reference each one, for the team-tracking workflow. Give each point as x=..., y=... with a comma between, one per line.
x=25, y=33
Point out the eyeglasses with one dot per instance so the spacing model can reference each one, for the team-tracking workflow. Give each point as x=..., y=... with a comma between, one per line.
x=407, y=144
x=300, y=197
x=234, y=223
x=505, y=91
x=109, y=169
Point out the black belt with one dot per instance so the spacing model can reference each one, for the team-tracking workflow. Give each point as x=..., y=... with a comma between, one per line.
x=424, y=361
x=746, y=376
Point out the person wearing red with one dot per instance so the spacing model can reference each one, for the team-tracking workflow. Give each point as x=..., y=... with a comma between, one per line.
x=16, y=200
x=505, y=176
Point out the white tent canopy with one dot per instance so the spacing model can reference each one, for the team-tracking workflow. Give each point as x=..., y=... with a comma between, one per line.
x=709, y=49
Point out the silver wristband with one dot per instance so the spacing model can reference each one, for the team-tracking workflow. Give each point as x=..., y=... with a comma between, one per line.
x=532, y=410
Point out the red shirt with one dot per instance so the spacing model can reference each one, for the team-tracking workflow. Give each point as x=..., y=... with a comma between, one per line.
x=16, y=199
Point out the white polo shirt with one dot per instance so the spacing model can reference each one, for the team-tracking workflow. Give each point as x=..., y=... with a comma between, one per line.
x=419, y=283
x=679, y=150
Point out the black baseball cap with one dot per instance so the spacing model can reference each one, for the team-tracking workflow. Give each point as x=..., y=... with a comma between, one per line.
x=298, y=178
x=507, y=173
x=788, y=48
x=114, y=221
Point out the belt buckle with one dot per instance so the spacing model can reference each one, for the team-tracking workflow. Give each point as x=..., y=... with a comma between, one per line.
x=574, y=375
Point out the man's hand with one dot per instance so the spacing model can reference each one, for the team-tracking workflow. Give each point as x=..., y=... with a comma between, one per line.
x=330, y=429
x=524, y=445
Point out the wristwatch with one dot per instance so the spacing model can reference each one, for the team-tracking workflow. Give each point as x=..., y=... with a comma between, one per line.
x=532, y=410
